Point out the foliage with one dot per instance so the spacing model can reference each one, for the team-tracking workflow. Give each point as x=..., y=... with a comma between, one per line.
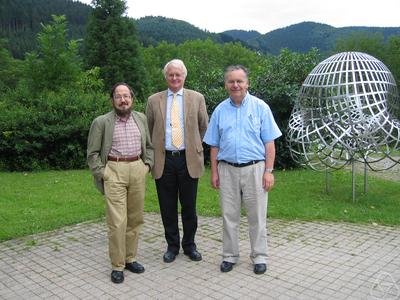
x=392, y=58
x=46, y=118
x=56, y=64
x=10, y=71
x=111, y=44
x=207, y=78
x=49, y=131
x=21, y=20
x=278, y=83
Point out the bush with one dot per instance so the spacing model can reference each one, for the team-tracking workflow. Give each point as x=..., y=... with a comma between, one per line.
x=49, y=132
x=278, y=83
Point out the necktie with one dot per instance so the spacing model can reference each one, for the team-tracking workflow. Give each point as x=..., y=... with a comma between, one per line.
x=177, y=135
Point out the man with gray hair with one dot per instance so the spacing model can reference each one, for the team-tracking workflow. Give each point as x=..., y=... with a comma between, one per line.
x=241, y=134
x=177, y=119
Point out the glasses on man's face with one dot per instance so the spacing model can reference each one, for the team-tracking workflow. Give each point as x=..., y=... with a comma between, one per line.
x=120, y=97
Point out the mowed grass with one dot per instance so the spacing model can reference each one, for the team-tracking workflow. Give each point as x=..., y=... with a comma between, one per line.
x=43, y=201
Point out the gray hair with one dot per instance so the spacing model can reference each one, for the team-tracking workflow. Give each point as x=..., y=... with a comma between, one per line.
x=177, y=63
x=235, y=68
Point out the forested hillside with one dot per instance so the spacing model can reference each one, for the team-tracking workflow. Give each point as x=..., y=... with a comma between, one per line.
x=306, y=35
x=20, y=21
x=154, y=30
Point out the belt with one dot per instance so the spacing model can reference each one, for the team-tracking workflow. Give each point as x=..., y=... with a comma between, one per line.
x=252, y=162
x=175, y=153
x=123, y=158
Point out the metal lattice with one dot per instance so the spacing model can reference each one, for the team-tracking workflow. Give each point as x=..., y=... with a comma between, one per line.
x=345, y=112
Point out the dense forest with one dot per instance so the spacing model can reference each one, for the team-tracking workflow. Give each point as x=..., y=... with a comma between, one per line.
x=59, y=83
x=20, y=22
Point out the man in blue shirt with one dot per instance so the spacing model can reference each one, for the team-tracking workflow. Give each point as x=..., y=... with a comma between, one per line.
x=241, y=134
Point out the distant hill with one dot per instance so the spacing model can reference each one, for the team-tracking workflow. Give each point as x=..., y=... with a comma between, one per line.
x=153, y=30
x=20, y=21
x=243, y=35
x=303, y=36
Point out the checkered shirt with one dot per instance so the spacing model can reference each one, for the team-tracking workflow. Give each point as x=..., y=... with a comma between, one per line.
x=126, y=139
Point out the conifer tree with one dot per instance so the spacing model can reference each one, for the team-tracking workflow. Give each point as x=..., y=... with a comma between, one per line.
x=111, y=43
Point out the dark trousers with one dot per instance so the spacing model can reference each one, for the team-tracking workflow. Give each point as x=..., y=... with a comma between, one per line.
x=176, y=183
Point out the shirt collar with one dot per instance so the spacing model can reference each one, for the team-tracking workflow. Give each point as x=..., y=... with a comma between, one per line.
x=180, y=92
x=244, y=101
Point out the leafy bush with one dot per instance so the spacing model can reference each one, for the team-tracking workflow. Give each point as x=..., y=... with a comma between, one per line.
x=49, y=132
x=278, y=83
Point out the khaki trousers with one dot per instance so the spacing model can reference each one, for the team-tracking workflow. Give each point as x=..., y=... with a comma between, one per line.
x=237, y=186
x=124, y=189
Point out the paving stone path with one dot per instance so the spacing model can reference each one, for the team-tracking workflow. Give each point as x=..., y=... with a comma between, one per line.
x=307, y=260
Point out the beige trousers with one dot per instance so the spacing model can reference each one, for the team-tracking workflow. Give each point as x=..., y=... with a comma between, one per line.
x=124, y=189
x=237, y=186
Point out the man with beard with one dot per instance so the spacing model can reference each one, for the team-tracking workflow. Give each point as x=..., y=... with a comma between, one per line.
x=120, y=154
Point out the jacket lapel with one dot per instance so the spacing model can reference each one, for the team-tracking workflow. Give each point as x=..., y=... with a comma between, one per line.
x=109, y=130
x=142, y=130
x=186, y=103
x=163, y=107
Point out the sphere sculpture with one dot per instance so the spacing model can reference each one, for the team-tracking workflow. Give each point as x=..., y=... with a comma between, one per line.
x=345, y=112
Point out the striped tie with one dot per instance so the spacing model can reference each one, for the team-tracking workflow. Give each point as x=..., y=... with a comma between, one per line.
x=177, y=134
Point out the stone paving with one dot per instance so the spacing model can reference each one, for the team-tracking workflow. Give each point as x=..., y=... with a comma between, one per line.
x=307, y=260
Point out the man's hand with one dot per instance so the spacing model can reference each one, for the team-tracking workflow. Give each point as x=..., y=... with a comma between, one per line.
x=215, y=180
x=268, y=181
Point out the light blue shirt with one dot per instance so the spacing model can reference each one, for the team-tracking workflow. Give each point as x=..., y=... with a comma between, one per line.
x=241, y=132
x=168, y=128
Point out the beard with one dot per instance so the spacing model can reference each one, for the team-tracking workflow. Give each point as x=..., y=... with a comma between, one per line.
x=122, y=112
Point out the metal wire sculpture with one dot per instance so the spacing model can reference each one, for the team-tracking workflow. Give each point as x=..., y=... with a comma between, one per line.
x=345, y=112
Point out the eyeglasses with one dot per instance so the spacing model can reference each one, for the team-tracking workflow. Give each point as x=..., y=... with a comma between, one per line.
x=125, y=96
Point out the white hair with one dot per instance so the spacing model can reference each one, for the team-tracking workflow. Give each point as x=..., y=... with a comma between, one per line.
x=177, y=63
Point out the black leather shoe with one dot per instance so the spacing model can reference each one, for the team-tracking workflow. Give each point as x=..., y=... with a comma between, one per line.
x=260, y=268
x=117, y=276
x=134, y=267
x=194, y=255
x=226, y=266
x=169, y=256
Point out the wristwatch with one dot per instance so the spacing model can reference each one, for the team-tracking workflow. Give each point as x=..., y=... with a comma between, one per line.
x=268, y=170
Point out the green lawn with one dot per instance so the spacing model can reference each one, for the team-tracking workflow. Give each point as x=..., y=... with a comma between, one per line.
x=42, y=201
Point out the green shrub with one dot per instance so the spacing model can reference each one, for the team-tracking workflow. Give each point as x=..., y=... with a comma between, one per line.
x=48, y=132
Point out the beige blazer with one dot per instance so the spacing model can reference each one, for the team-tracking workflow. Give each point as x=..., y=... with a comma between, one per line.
x=196, y=121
